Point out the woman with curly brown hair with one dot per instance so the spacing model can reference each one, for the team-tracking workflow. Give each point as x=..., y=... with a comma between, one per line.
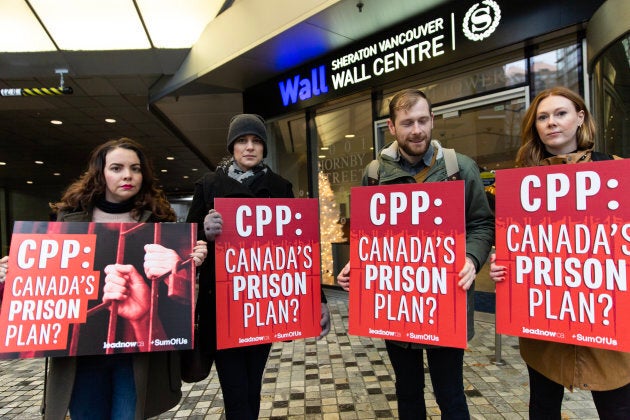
x=119, y=187
x=558, y=129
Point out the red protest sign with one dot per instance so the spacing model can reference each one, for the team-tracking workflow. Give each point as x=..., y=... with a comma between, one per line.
x=54, y=299
x=268, y=271
x=407, y=245
x=563, y=232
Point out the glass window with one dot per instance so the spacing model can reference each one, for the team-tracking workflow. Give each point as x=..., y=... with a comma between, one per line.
x=181, y=205
x=344, y=148
x=560, y=67
x=286, y=154
x=612, y=98
x=488, y=133
x=472, y=83
x=487, y=128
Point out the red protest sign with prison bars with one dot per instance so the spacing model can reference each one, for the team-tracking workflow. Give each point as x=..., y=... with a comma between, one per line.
x=53, y=303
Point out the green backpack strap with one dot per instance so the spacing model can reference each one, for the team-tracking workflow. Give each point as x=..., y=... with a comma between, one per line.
x=450, y=160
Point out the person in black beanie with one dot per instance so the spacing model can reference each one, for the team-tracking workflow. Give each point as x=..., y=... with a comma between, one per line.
x=245, y=175
x=244, y=124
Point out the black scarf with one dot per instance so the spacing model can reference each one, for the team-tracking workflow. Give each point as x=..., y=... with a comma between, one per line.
x=114, y=208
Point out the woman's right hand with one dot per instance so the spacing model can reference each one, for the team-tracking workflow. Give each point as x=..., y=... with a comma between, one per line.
x=497, y=272
x=212, y=224
x=4, y=267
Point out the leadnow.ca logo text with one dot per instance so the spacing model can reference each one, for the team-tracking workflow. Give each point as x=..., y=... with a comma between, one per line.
x=481, y=20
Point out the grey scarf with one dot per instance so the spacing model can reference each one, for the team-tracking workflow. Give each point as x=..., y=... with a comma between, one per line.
x=246, y=177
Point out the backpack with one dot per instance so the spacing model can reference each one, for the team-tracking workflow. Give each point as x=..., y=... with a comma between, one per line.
x=450, y=160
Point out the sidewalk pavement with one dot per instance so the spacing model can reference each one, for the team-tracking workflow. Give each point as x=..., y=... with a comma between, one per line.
x=339, y=377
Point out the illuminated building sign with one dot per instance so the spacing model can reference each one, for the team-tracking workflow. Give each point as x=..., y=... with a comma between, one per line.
x=448, y=34
x=407, y=48
x=299, y=88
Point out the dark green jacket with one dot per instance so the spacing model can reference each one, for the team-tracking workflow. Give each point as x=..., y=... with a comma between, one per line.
x=479, y=217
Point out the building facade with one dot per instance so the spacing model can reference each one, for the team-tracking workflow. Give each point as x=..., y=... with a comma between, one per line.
x=479, y=62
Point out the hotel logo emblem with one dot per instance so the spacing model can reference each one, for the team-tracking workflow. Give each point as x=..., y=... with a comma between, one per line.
x=481, y=20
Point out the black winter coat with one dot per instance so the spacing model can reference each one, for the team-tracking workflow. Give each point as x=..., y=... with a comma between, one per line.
x=219, y=184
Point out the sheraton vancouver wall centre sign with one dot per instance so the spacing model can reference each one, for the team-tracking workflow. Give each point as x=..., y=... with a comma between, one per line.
x=445, y=35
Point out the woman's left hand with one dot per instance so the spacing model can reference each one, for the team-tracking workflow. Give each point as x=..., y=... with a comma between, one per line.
x=200, y=251
x=497, y=272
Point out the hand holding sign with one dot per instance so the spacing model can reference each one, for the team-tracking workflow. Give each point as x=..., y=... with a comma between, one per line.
x=4, y=267
x=344, y=277
x=467, y=275
x=497, y=272
x=212, y=224
x=200, y=252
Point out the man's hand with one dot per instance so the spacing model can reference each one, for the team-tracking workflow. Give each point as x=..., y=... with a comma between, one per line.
x=344, y=277
x=467, y=275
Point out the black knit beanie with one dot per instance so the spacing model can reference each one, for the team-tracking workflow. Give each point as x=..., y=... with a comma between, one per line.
x=243, y=124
